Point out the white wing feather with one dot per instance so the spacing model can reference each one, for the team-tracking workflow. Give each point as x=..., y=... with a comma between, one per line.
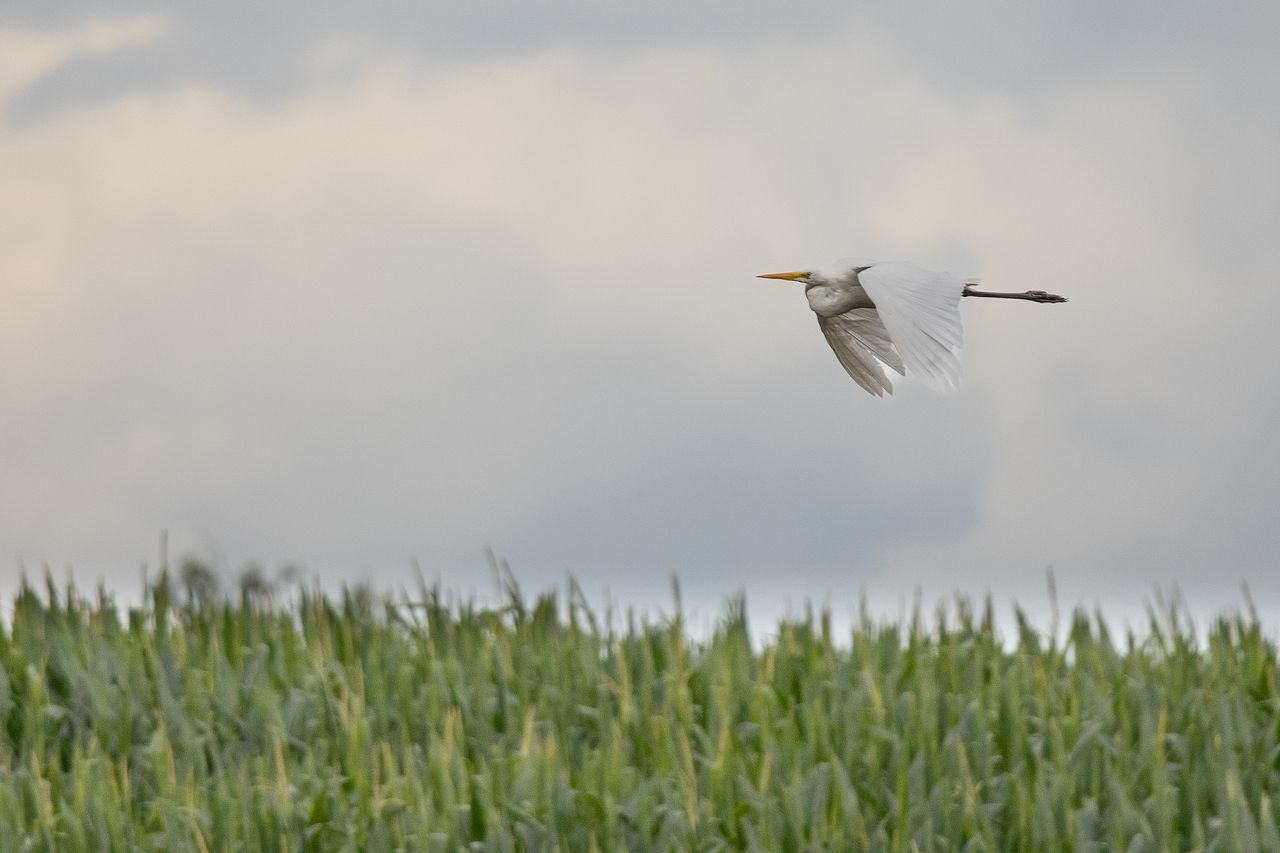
x=921, y=311
x=861, y=343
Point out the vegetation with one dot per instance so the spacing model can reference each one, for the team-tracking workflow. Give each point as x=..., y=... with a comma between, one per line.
x=363, y=723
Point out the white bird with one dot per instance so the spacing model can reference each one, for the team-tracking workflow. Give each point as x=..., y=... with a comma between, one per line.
x=896, y=314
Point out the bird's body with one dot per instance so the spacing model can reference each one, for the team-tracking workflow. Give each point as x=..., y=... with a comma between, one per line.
x=875, y=313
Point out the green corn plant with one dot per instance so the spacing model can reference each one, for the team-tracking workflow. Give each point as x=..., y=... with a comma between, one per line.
x=352, y=721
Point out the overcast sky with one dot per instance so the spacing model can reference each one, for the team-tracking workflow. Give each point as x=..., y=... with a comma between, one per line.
x=350, y=290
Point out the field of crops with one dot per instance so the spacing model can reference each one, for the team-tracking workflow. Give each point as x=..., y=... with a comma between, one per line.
x=358, y=723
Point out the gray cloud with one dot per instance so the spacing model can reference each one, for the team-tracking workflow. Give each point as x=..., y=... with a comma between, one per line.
x=267, y=54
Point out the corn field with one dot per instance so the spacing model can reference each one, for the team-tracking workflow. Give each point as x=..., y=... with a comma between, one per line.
x=358, y=722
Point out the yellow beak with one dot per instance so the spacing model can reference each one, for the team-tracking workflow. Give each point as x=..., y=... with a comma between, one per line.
x=785, y=276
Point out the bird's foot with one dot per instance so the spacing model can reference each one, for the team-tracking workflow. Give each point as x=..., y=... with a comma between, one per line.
x=1029, y=295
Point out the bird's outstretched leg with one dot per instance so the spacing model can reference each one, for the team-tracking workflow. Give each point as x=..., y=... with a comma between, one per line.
x=1032, y=295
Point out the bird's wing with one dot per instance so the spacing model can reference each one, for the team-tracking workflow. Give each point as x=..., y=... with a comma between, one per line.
x=859, y=338
x=921, y=311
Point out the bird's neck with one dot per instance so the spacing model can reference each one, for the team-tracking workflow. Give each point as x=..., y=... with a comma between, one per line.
x=828, y=300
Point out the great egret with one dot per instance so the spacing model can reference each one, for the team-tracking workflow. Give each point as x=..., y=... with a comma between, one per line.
x=897, y=314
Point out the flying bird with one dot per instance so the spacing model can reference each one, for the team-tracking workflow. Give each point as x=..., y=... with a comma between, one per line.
x=877, y=313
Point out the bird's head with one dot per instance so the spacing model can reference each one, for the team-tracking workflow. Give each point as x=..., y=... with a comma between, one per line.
x=844, y=271
x=803, y=276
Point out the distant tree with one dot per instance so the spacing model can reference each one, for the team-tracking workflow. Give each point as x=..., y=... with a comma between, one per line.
x=254, y=585
x=199, y=581
x=288, y=574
